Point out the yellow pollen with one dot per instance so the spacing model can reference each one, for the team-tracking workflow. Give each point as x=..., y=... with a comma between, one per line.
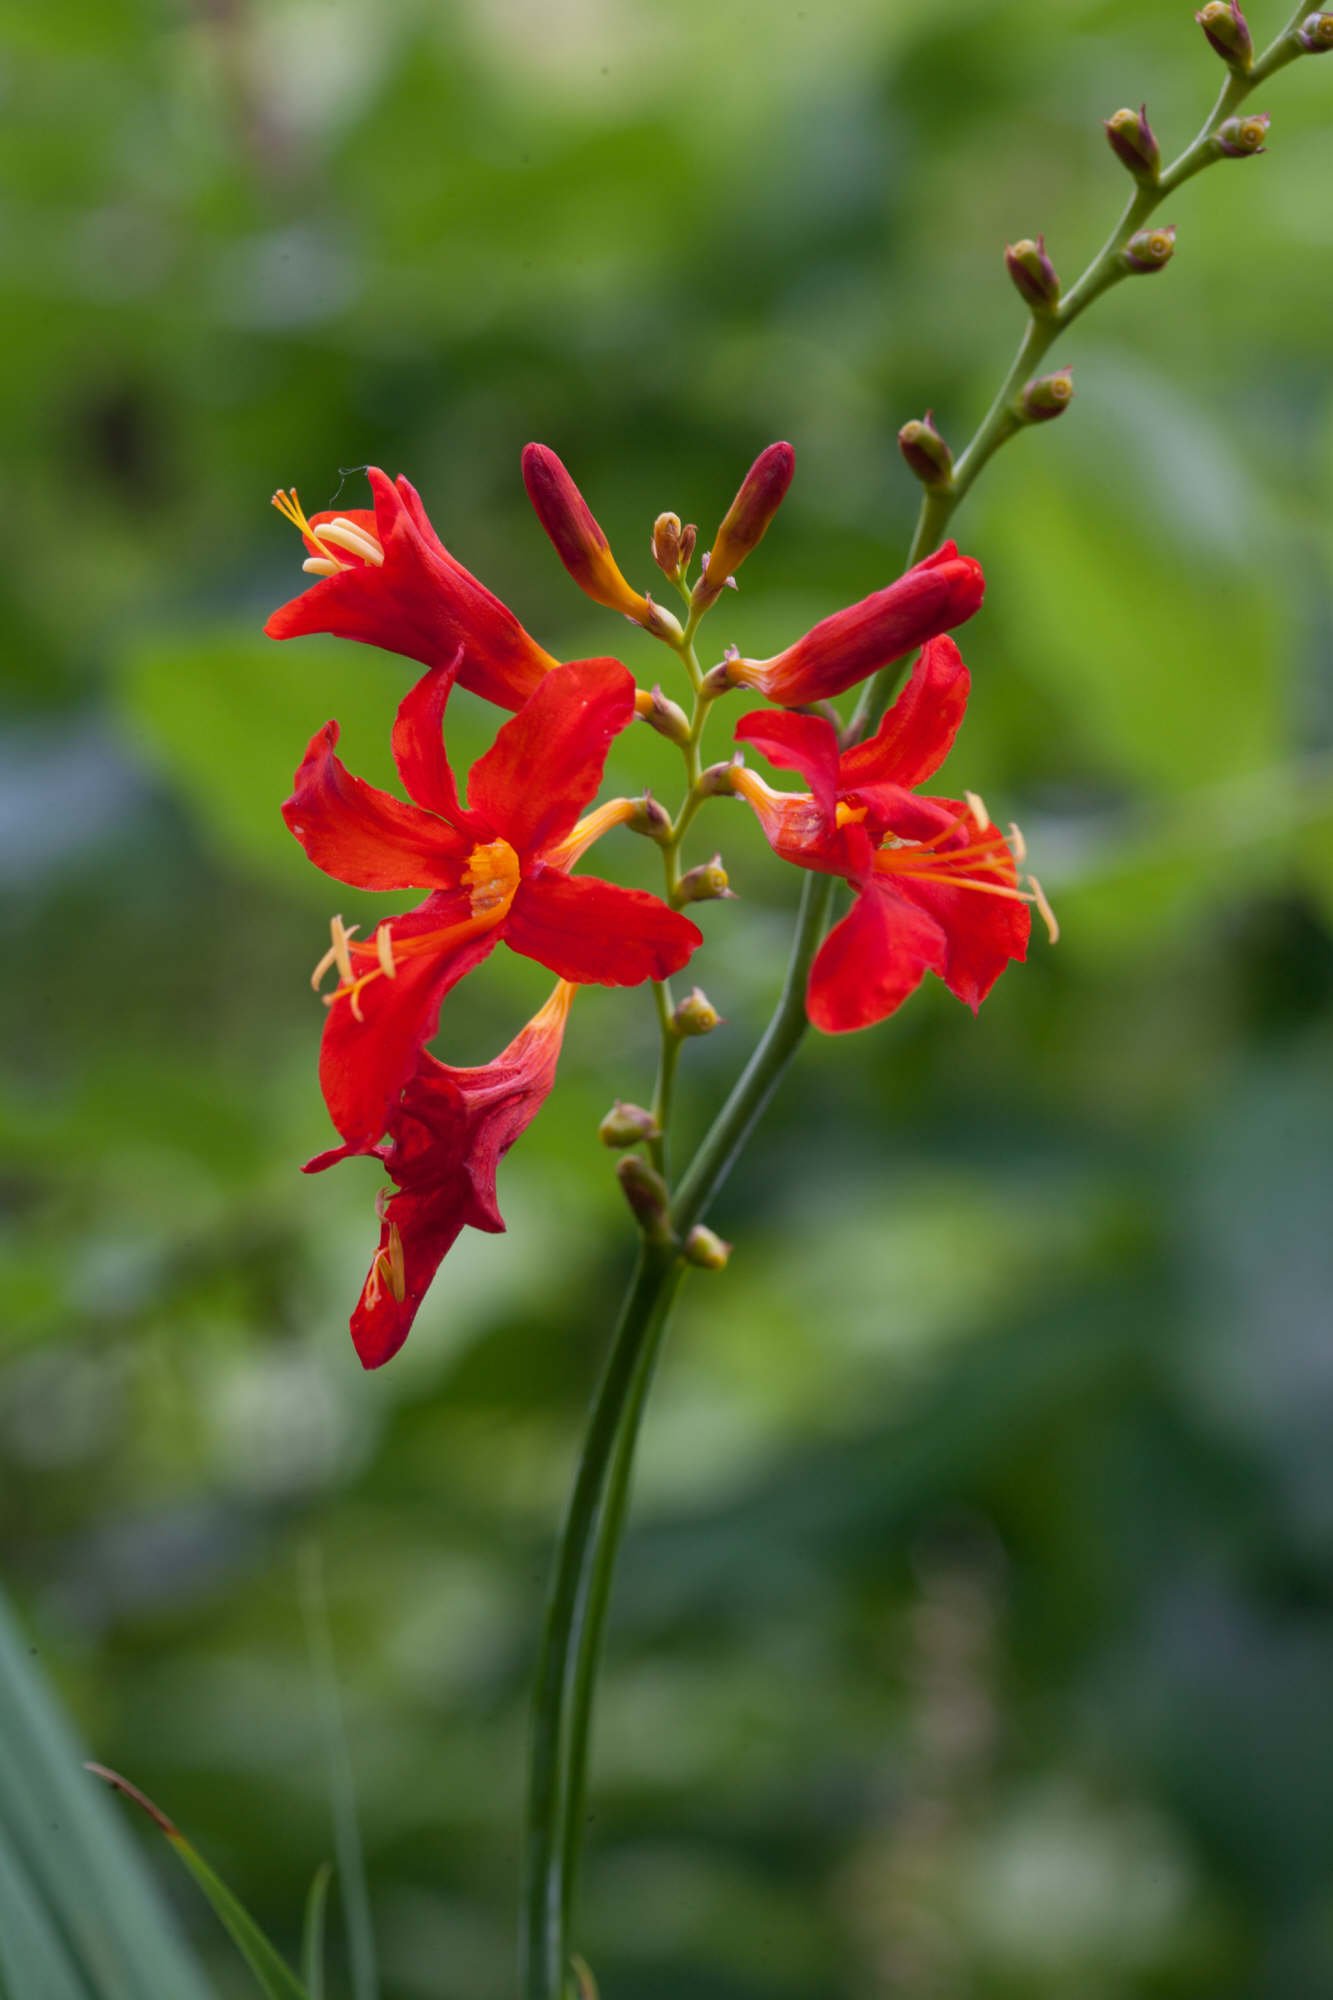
x=850, y=815
x=491, y=878
x=384, y=949
x=291, y=510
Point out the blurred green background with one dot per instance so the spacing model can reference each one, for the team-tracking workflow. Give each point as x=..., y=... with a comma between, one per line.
x=975, y=1632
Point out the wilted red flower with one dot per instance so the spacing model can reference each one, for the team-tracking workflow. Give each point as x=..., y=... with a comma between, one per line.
x=938, y=594
x=447, y=1135
x=937, y=885
x=495, y=868
x=386, y=578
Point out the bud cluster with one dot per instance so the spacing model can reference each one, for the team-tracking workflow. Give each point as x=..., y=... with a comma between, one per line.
x=673, y=546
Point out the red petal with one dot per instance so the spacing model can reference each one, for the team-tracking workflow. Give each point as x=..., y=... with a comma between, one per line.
x=364, y=836
x=428, y=1222
x=545, y=765
x=918, y=732
x=871, y=961
x=595, y=933
x=982, y=932
x=418, y=745
x=419, y=602
x=804, y=743
x=364, y=1064
x=938, y=594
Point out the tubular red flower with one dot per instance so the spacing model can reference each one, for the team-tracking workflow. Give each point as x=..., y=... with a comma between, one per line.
x=936, y=883
x=494, y=869
x=447, y=1135
x=386, y=579
x=576, y=536
x=943, y=591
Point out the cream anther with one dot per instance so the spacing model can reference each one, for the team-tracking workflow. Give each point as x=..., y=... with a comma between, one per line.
x=345, y=534
x=384, y=951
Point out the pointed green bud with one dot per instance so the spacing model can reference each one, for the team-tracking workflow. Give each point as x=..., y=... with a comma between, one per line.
x=1033, y=273
x=708, y=1251
x=646, y=1192
x=1228, y=31
x=651, y=818
x=1150, y=249
x=1315, y=34
x=667, y=717
x=695, y=1015
x=1133, y=142
x=703, y=884
x=627, y=1125
x=1047, y=396
x=1241, y=138
x=926, y=452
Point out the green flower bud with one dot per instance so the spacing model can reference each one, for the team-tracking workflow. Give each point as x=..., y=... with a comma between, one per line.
x=1047, y=396
x=695, y=1015
x=646, y=1192
x=708, y=1251
x=1228, y=31
x=925, y=451
x=1241, y=138
x=627, y=1125
x=1033, y=273
x=1132, y=141
x=1315, y=34
x=1150, y=249
x=667, y=717
x=703, y=884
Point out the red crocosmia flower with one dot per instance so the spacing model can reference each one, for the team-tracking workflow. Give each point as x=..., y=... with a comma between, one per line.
x=497, y=868
x=937, y=885
x=386, y=578
x=940, y=593
x=447, y=1135
x=577, y=537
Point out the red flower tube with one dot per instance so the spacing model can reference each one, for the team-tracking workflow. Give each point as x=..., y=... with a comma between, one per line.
x=577, y=537
x=943, y=591
x=497, y=868
x=746, y=521
x=937, y=884
x=447, y=1135
x=386, y=578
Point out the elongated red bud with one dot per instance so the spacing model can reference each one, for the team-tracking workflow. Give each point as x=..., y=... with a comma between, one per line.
x=578, y=540
x=1048, y=396
x=1150, y=249
x=1228, y=31
x=1133, y=142
x=1241, y=138
x=746, y=520
x=1033, y=273
x=925, y=451
x=1315, y=34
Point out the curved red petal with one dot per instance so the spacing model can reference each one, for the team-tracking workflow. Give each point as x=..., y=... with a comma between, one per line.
x=427, y=1222
x=545, y=765
x=982, y=932
x=918, y=732
x=365, y=1063
x=363, y=836
x=596, y=933
x=419, y=748
x=419, y=602
x=871, y=961
x=804, y=743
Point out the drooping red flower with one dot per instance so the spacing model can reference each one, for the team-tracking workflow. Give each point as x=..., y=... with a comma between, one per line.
x=495, y=868
x=386, y=578
x=447, y=1135
x=938, y=594
x=937, y=884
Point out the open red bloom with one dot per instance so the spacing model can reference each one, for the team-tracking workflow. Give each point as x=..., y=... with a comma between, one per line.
x=387, y=579
x=447, y=1136
x=943, y=591
x=495, y=868
x=937, y=885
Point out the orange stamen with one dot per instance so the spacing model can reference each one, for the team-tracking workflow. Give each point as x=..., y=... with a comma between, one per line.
x=289, y=506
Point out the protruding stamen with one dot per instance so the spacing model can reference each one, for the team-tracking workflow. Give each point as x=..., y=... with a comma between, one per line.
x=1017, y=842
x=337, y=954
x=1044, y=910
x=321, y=566
x=384, y=950
x=395, y=1268
x=291, y=510
x=357, y=541
x=977, y=807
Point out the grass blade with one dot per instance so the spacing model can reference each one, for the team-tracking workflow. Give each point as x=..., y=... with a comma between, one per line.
x=312, y=1933
x=352, y=1883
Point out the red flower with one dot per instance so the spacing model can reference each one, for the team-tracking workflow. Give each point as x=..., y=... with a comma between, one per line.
x=941, y=592
x=937, y=885
x=447, y=1136
x=386, y=578
x=577, y=537
x=495, y=868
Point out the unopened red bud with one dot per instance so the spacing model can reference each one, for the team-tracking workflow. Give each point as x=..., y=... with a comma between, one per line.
x=1133, y=142
x=667, y=717
x=646, y=1192
x=1228, y=31
x=1315, y=34
x=706, y=1250
x=703, y=884
x=1241, y=138
x=925, y=451
x=650, y=817
x=695, y=1015
x=746, y=520
x=666, y=544
x=1033, y=273
x=1150, y=249
x=689, y=535
x=628, y=1125
x=1048, y=396
x=578, y=540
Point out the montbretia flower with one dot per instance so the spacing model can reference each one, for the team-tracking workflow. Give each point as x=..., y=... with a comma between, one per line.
x=447, y=1135
x=937, y=885
x=943, y=591
x=495, y=868
x=386, y=578
x=578, y=540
